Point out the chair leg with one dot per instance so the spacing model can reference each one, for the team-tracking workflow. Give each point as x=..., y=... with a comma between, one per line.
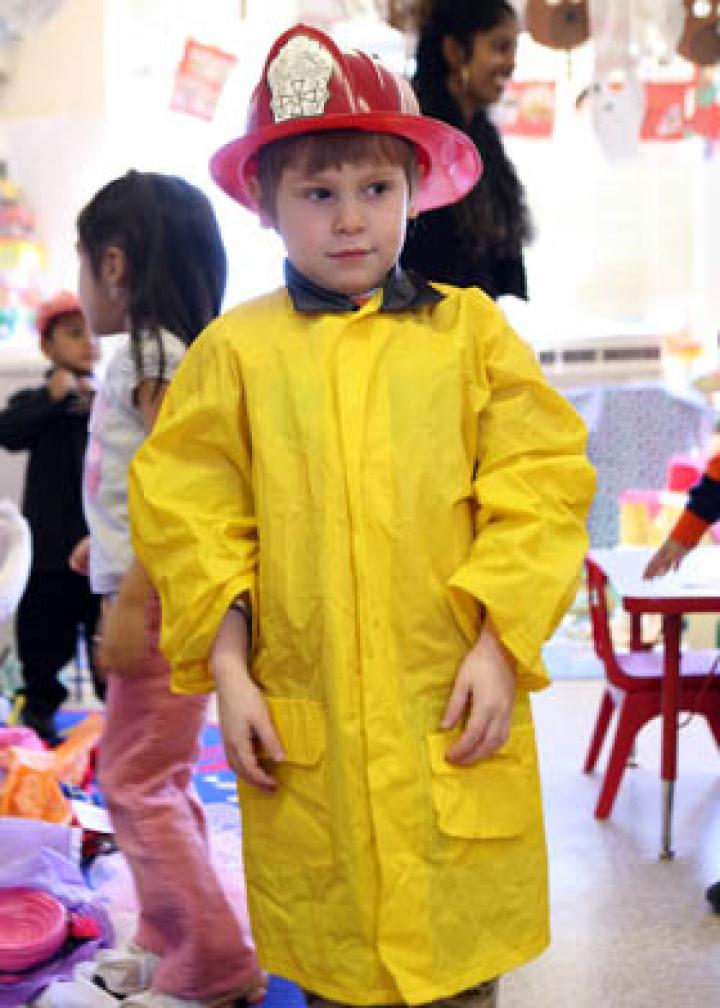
x=627, y=726
x=713, y=719
x=607, y=706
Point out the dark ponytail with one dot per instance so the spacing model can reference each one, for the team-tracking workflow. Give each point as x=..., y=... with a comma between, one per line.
x=175, y=258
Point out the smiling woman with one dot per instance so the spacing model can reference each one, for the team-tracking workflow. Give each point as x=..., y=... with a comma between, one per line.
x=465, y=57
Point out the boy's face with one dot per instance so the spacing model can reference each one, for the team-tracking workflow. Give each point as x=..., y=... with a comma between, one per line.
x=69, y=344
x=343, y=227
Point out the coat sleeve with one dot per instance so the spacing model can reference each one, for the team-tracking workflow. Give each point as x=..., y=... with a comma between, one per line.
x=533, y=488
x=27, y=413
x=192, y=510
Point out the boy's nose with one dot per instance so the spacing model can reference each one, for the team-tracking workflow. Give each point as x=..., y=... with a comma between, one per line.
x=349, y=218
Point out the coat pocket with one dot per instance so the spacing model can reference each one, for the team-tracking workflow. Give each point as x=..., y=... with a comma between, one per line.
x=494, y=798
x=293, y=823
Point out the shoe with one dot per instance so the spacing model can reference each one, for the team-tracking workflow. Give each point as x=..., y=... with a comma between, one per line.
x=77, y=993
x=155, y=999
x=712, y=895
x=122, y=972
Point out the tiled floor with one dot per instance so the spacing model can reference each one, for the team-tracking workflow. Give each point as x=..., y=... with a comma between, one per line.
x=628, y=931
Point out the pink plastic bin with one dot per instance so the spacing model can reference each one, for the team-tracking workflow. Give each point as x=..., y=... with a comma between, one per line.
x=33, y=927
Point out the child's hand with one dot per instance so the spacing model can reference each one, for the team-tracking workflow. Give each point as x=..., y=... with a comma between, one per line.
x=485, y=688
x=668, y=558
x=248, y=732
x=122, y=642
x=79, y=559
x=61, y=383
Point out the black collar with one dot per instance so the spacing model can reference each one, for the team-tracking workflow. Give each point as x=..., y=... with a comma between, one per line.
x=402, y=290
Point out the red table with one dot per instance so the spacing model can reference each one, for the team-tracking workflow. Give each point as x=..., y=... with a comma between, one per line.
x=695, y=588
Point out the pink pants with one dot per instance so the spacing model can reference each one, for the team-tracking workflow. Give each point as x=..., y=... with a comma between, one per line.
x=150, y=745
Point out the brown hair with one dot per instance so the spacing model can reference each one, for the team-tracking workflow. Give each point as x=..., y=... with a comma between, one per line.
x=330, y=149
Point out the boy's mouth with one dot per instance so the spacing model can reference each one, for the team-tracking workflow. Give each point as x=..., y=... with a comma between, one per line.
x=350, y=255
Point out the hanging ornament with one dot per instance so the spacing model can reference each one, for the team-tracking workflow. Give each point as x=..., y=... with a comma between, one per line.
x=559, y=24
x=617, y=103
x=610, y=27
x=700, y=42
x=656, y=27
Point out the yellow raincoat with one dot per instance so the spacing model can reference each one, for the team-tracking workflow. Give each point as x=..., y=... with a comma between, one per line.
x=371, y=478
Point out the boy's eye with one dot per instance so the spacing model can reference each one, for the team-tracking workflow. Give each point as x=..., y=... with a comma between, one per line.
x=380, y=187
x=318, y=194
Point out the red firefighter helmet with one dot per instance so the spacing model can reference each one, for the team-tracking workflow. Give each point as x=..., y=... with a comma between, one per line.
x=309, y=85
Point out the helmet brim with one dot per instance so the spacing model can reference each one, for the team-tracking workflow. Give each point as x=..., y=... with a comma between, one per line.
x=449, y=159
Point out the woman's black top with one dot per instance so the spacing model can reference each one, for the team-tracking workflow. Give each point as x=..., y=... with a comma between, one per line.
x=478, y=241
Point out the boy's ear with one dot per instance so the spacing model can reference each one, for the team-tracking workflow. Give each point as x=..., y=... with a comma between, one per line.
x=416, y=178
x=255, y=192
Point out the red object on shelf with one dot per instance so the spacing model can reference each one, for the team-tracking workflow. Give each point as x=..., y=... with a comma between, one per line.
x=33, y=927
x=665, y=117
x=683, y=472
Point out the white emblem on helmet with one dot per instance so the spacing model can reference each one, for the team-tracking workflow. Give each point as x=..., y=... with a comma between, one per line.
x=298, y=79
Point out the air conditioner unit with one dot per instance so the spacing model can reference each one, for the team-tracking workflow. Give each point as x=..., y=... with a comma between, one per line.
x=598, y=359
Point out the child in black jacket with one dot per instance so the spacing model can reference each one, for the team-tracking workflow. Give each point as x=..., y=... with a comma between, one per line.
x=50, y=422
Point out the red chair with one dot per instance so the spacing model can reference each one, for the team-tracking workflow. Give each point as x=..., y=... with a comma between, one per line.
x=633, y=689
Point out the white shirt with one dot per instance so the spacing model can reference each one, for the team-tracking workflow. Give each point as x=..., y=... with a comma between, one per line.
x=115, y=432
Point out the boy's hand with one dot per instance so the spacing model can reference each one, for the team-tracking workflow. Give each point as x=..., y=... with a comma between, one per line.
x=61, y=383
x=122, y=641
x=247, y=729
x=79, y=559
x=668, y=558
x=485, y=689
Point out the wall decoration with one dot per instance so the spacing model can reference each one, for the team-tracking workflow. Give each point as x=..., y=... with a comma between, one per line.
x=527, y=109
x=700, y=42
x=665, y=111
x=617, y=105
x=704, y=100
x=200, y=79
x=559, y=24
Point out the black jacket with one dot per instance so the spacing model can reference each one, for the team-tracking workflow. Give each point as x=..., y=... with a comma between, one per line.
x=55, y=434
x=483, y=249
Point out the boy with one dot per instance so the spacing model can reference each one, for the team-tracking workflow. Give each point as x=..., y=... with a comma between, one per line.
x=373, y=471
x=701, y=511
x=50, y=422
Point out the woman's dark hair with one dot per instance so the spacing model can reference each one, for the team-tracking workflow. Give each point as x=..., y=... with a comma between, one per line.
x=494, y=216
x=174, y=255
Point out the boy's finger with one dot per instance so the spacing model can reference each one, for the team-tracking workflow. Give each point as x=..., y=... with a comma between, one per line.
x=455, y=706
x=473, y=735
x=243, y=760
x=269, y=742
x=495, y=737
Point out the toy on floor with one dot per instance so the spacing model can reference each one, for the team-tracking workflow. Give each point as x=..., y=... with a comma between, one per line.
x=31, y=785
x=50, y=921
x=33, y=928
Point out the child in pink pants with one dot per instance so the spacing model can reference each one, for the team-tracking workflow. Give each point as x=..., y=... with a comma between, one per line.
x=152, y=265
